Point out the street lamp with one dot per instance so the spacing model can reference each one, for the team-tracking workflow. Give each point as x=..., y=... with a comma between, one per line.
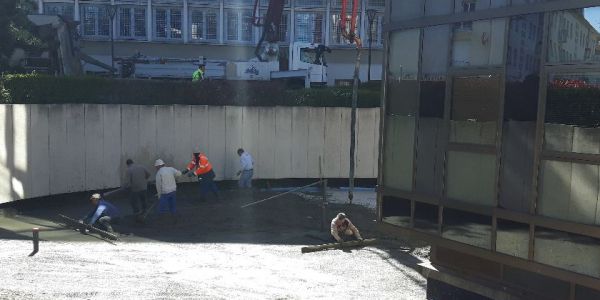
x=371, y=14
x=112, y=12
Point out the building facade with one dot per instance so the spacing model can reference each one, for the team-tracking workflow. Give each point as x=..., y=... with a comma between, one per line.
x=491, y=142
x=217, y=29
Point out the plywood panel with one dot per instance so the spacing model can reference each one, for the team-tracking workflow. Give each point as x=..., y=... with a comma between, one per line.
x=182, y=147
x=316, y=140
x=147, y=137
x=216, y=139
x=584, y=193
x=586, y=140
x=300, y=142
x=558, y=137
x=555, y=189
x=471, y=177
x=517, y=165
x=114, y=165
x=250, y=131
x=6, y=138
x=130, y=133
x=58, y=148
x=401, y=170
x=165, y=133
x=200, y=129
x=390, y=143
x=428, y=180
x=366, y=143
x=377, y=113
x=39, y=155
x=283, y=142
x=344, y=150
x=21, y=174
x=332, y=150
x=75, y=150
x=265, y=158
x=94, y=146
x=233, y=139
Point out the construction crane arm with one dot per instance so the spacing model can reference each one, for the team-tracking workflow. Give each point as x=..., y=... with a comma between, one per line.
x=269, y=39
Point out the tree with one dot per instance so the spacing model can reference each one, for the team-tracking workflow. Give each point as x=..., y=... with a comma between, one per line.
x=17, y=34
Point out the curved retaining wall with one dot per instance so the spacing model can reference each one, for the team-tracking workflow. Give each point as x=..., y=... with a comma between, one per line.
x=55, y=149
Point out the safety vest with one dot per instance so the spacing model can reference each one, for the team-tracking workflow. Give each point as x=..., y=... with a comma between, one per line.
x=202, y=165
x=198, y=75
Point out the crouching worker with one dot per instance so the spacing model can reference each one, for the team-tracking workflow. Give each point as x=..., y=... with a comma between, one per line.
x=103, y=215
x=342, y=229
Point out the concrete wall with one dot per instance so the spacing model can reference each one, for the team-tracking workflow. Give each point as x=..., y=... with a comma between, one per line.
x=570, y=191
x=54, y=149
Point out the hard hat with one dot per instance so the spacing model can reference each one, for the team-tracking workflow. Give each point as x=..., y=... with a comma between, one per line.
x=159, y=162
x=95, y=196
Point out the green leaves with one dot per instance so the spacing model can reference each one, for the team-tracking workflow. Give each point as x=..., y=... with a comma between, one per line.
x=43, y=89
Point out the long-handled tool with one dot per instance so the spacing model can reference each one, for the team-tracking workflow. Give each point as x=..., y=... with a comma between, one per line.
x=82, y=227
x=342, y=245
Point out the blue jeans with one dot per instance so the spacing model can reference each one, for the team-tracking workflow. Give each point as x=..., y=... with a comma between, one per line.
x=207, y=184
x=166, y=203
x=246, y=179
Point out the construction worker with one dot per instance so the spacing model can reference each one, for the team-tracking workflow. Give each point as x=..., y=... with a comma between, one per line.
x=246, y=169
x=199, y=73
x=137, y=183
x=103, y=214
x=166, y=188
x=342, y=229
x=201, y=167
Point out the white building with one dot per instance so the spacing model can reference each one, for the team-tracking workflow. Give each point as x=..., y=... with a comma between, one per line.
x=217, y=29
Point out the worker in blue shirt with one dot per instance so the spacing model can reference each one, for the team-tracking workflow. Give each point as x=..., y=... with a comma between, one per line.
x=103, y=214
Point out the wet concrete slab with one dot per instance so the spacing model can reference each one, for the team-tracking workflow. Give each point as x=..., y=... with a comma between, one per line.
x=217, y=250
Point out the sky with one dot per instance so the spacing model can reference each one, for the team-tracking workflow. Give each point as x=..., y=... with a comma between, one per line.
x=592, y=14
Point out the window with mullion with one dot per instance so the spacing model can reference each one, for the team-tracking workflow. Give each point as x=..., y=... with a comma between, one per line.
x=95, y=21
x=238, y=25
x=337, y=37
x=203, y=24
x=309, y=26
x=284, y=26
x=168, y=23
x=376, y=31
x=132, y=22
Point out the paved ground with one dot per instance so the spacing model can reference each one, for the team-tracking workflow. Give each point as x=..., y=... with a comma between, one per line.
x=216, y=251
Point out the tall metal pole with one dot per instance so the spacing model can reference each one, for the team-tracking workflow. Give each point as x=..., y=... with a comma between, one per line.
x=371, y=14
x=112, y=11
x=353, y=124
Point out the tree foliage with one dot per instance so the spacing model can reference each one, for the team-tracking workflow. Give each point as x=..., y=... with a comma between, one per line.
x=16, y=32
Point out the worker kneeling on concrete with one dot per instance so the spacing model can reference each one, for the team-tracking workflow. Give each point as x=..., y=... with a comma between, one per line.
x=342, y=229
x=103, y=215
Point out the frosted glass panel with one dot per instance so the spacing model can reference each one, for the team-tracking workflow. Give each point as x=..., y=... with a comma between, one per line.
x=406, y=10
x=471, y=177
x=404, y=55
x=399, y=152
x=479, y=43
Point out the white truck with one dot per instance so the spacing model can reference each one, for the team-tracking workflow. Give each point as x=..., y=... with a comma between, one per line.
x=306, y=60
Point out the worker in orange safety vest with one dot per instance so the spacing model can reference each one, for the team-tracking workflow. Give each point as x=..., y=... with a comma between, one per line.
x=201, y=168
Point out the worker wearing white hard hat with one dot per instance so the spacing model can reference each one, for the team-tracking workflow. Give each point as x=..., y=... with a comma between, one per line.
x=166, y=187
